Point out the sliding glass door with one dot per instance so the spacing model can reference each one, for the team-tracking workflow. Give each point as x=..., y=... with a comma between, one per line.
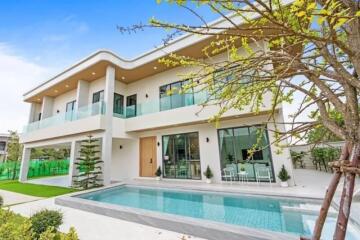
x=246, y=150
x=181, y=156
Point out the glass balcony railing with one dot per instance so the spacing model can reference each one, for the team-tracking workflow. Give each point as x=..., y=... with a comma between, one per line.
x=164, y=104
x=83, y=112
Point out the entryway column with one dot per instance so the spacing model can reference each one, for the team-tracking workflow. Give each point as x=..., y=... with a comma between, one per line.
x=74, y=154
x=24, y=168
x=107, y=137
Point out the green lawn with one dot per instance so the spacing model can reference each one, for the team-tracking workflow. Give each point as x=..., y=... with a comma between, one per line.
x=34, y=189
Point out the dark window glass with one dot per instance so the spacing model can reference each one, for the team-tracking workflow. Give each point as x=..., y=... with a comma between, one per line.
x=172, y=96
x=181, y=156
x=131, y=106
x=98, y=96
x=2, y=146
x=118, y=103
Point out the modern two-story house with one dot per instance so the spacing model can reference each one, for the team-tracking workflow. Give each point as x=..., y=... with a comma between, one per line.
x=125, y=104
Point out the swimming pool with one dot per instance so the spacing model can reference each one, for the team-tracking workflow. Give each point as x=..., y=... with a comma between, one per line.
x=294, y=216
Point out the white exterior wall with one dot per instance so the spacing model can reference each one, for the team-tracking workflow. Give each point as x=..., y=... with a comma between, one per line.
x=125, y=164
x=61, y=101
x=96, y=86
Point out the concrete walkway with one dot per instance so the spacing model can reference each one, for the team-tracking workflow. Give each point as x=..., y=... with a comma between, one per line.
x=11, y=198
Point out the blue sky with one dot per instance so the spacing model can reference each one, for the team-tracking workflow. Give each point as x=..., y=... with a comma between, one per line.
x=39, y=38
x=56, y=33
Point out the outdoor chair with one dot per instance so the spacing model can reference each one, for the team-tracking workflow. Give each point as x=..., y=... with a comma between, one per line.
x=229, y=174
x=263, y=173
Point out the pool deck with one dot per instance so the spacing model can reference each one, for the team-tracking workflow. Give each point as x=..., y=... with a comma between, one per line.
x=309, y=184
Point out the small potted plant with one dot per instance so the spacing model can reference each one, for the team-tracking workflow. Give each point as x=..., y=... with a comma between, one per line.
x=242, y=170
x=208, y=174
x=158, y=173
x=284, y=177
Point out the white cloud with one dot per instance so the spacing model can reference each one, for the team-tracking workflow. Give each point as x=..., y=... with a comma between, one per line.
x=17, y=75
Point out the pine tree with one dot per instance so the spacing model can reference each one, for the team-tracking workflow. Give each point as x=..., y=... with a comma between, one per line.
x=89, y=165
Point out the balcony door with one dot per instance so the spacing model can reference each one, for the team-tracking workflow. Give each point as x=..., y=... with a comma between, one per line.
x=147, y=156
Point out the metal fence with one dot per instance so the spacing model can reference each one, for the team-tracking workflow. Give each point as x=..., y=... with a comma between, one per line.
x=37, y=168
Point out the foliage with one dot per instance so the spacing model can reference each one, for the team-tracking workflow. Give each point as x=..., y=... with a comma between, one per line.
x=46, y=219
x=89, y=165
x=208, y=173
x=283, y=174
x=320, y=133
x=34, y=189
x=14, y=150
x=16, y=227
x=49, y=153
x=1, y=201
x=325, y=154
x=158, y=172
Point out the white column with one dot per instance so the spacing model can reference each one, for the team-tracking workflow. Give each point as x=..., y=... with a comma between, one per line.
x=24, y=168
x=32, y=112
x=47, y=107
x=107, y=137
x=82, y=94
x=74, y=154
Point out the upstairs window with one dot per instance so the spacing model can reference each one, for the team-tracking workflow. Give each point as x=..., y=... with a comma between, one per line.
x=118, y=103
x=172, y=96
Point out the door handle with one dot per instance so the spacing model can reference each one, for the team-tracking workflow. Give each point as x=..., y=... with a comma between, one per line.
x=150, y=160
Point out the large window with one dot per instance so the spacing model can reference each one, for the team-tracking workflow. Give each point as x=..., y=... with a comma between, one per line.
x=70, y=107
x=236, y=145
x=98, y=96
x=171, y=96
x=2, y=146
x=181, y=156
x=131, y=106
x=118, y=104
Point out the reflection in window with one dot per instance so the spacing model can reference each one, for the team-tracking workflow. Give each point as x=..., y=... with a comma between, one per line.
x=118, y=103
x=181, y=156
x=171, y=96
x=235, y=146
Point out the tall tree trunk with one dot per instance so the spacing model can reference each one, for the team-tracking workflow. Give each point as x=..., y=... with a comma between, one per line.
x=330, y=192
x=347, y=195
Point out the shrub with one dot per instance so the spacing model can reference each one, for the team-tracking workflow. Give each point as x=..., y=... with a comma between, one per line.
x=158, y=172
x=45, y=219
x=283, y=174
x=208, y=173
x=1, y=201
x=15, y=227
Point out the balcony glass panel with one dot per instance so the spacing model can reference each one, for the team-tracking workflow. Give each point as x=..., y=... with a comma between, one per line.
x=97, y=108
x=164, y=103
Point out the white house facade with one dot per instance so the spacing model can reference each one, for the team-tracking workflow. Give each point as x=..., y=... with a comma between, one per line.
x=124, y=104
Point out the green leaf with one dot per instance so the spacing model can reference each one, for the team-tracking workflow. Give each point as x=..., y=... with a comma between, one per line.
x=357, y=14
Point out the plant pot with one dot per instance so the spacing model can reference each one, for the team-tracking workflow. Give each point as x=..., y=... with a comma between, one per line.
x=284, y=184
x=208, y=180
x=242, y=172
x=158, y=178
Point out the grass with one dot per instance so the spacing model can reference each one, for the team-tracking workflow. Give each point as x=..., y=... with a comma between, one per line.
x=34, y=189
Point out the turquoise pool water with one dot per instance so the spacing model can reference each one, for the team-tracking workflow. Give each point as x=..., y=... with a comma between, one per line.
x=274, y=214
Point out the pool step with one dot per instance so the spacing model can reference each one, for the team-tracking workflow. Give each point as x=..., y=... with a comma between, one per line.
x=308, y=209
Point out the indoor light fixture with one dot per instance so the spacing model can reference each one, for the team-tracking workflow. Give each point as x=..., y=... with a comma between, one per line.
x=123, y=78
x=155, y=67
x=56, y=91
x=93, y=73
x=66, y=86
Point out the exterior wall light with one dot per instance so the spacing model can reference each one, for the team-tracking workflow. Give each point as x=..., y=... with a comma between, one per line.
x=158, y=143
x=146, y=95
x=121, y=147
x=207, y=139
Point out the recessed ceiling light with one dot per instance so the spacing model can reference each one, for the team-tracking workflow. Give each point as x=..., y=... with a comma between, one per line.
x=66, y=86
x=155, y=67
x=55, y=90
x=38, y=99
x=123, y=78
x=93, y=73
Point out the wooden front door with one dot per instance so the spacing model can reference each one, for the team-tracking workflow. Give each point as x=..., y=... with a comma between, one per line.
x=147, y=156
